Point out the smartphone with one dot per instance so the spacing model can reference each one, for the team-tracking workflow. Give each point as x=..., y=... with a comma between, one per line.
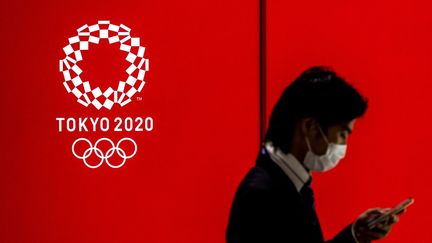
x=396, y=210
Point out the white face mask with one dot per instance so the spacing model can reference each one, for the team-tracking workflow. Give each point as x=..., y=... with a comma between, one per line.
x=327, y=161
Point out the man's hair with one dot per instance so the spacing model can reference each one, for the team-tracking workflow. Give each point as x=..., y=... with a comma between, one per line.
x=317, y=93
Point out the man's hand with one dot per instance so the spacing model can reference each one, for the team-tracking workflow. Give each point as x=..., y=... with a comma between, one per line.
x=365, y=234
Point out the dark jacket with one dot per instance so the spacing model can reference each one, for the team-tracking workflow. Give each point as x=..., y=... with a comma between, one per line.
x=267, y=208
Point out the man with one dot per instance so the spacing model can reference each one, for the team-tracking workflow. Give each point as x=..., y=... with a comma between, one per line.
x=308, y=131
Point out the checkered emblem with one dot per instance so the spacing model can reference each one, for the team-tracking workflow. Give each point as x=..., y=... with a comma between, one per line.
x=126, y=89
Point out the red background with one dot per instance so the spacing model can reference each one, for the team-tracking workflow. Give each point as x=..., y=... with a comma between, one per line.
x=202, y=92
x=383, y=48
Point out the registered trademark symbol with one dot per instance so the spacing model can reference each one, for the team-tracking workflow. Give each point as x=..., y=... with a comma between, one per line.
x=139, y=98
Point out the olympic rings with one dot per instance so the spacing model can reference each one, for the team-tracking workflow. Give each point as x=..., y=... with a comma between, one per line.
x=104, y=156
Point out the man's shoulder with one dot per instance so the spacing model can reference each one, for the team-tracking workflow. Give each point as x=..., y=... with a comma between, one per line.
x=266, y=180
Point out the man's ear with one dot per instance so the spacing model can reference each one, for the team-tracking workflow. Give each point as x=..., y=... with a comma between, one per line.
x=309, y=126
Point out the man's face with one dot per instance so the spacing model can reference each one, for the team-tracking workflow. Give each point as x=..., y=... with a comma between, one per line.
x=337, y=134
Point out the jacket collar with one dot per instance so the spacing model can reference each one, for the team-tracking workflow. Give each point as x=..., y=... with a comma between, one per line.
x=289, y=164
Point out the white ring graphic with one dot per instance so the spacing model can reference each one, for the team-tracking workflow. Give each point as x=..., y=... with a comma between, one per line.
x=104, y=156
x=126, y=89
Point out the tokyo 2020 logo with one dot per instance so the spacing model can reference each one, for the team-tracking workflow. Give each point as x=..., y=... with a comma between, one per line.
x=88, y=95
x=82, y=89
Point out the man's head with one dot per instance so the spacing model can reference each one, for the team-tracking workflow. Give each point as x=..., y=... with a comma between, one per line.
x=318, y=107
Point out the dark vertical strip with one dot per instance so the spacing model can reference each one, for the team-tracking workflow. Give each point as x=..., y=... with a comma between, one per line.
x=262, y=69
